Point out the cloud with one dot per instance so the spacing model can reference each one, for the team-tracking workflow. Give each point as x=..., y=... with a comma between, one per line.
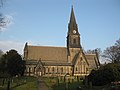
x=8, y=45
x=5, y=22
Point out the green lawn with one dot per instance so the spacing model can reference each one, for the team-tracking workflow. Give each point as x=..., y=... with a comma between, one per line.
x=22, y=83
x=27, y=86
x=52, y=83
x=30, y=83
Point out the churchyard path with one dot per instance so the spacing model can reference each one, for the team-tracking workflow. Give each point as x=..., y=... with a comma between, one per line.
x=41, y=84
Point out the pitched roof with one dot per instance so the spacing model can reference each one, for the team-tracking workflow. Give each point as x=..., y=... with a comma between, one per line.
x=92, y=60
x=31, y=62
x=76, y=56
x=47, y=63
x=45, y=53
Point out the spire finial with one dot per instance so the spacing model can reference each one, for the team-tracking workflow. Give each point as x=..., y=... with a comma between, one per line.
x=73, y=1
x=72, y=17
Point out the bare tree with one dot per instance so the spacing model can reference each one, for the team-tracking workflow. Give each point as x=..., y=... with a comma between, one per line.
x=4, y=21
x=97, y=50
x=112, y=53
x=118, y=42
x=1, y=52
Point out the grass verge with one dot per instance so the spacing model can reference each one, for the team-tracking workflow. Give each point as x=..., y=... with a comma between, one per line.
x=53, y=84
x=21, y=83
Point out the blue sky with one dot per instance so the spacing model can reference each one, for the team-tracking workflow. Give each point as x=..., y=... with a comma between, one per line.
x=45, y=22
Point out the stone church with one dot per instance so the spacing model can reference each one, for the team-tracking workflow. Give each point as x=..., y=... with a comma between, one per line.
x=61, y=61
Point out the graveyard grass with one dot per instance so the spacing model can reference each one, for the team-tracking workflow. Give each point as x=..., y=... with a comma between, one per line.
x=22, y=83
x=30, y=83
x=54, y=84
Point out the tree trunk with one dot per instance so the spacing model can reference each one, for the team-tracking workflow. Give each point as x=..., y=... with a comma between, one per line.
x=3, y=81
x=8, y=86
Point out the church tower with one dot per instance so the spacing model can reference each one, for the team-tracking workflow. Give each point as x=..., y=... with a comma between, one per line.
x=73, y=36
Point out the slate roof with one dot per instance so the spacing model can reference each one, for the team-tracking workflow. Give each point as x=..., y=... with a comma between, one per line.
x=92, y=60
x=31, y=62
x=45, y=53
x=56, y=56
x=47, y=63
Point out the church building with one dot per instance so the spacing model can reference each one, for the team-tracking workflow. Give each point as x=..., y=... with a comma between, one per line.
x=60, y=61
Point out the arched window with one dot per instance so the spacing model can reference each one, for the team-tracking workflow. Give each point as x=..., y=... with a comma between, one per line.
x=87, y=70
x=61, y=69
x=31, y=69
x=76, y=69
x=53, y=69
x=74, y=41
x=84, y=67
x=81, y=59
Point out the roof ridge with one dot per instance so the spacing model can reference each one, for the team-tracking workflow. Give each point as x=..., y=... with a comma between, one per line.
x=46, y=46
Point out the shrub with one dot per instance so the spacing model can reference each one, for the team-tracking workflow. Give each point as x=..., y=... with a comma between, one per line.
x=105, y=75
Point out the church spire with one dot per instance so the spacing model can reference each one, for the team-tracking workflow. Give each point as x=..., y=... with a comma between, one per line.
x=73, y=37
x=72, y=26
x=72, y=17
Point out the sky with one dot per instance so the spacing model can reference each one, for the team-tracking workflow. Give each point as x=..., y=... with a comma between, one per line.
x=45, y=23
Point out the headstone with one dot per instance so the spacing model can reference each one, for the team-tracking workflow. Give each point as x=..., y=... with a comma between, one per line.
x=86, y=81
x=90, y=84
